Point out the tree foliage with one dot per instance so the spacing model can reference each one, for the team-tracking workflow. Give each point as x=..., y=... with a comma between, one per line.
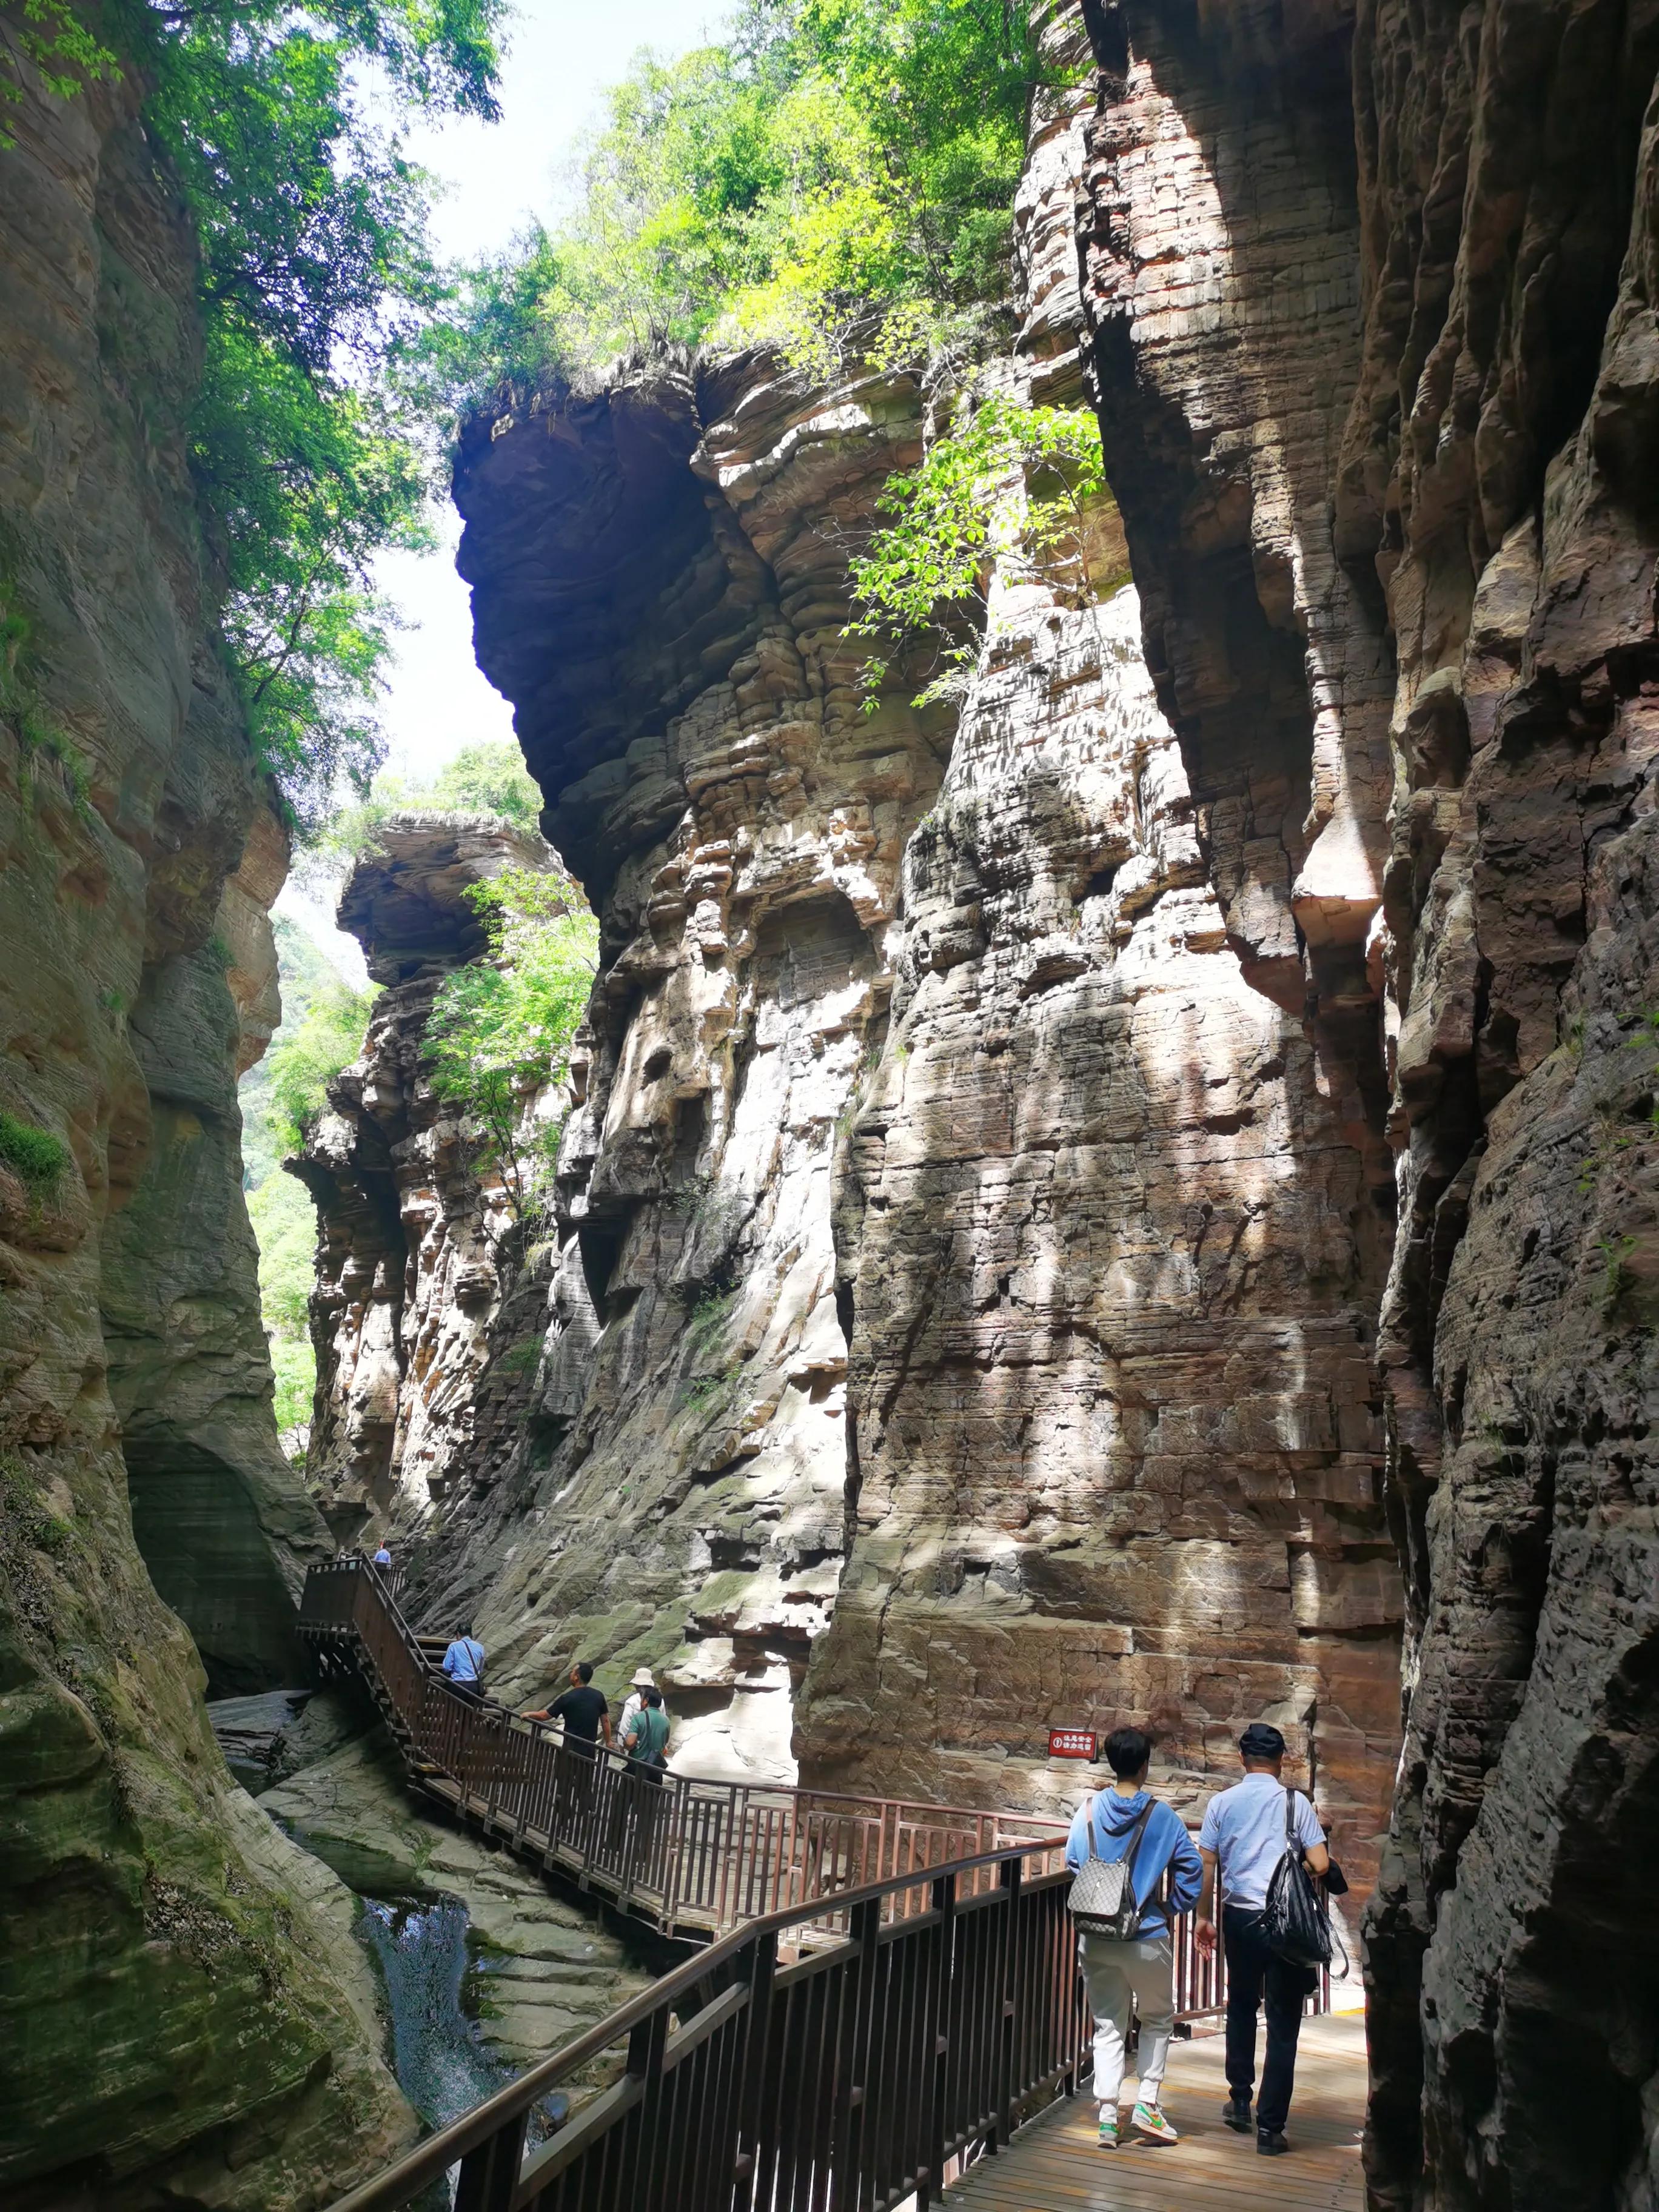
x=280, y=1208
x=328, y=1038
x=60, y=49
x=280, y=123
x=833, y=168
x=501, y=1027
x=1004, y=481
x=486, y=778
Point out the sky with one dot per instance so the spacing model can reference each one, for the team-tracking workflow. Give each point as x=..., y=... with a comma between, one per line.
x=561, y=55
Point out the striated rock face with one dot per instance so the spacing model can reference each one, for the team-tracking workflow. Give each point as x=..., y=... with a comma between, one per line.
x=1106, y=1238
x=225, y=1530
x=172, y=2022
x=1411, y=398
x=413, y=1262
x=659, y=583
x=962, y=1092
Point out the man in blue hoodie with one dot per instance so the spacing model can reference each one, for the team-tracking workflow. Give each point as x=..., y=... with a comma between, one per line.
x=1138, y=1976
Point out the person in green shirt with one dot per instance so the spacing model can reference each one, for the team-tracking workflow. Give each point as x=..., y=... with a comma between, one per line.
x=645, y=1744
x=646, y=1738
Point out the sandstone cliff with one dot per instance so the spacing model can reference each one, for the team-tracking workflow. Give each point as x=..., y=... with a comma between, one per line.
x=417, y=1257
x=941, y=1182
x=1371, y=293
x=171, y=2021
x=659, y=580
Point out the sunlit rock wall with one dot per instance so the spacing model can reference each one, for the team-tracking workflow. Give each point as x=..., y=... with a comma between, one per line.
x=172, y=2025
x=1109, y=1254
x=1372, y=297
x=659, y=574
x=1092, y=1211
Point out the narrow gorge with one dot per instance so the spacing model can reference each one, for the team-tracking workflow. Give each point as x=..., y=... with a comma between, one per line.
x=1123, y=1185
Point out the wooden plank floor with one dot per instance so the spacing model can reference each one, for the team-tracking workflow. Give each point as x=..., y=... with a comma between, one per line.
x=1055, y=2165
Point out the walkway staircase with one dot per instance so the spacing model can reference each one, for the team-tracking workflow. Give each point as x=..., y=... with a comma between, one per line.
x=693, y=1859
x=886, y=1994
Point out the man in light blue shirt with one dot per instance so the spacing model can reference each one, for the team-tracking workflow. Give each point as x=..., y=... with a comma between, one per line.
x=464, y=1663
x=1243, y=1835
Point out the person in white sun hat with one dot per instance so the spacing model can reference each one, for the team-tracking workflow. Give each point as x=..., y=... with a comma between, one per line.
x=643, y=1680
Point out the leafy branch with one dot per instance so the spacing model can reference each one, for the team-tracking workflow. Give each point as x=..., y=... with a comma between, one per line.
x=502, y=1028
x=1006, y=484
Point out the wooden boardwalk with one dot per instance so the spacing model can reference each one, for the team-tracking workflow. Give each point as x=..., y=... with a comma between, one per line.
x=1055, y=2165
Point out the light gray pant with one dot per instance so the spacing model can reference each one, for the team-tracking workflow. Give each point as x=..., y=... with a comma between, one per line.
x=1123, y=1979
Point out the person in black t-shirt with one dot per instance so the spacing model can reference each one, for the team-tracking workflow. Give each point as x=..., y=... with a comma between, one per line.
x=582, y=1709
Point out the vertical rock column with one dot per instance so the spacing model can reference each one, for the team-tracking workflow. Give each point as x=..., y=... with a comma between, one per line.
x=173, y=2024
x=416, y=1245
x=1108, y=1244
x=660, y=584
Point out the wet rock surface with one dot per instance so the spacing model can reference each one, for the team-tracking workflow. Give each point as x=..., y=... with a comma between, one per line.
x=175, y=2019
x=542, y=1968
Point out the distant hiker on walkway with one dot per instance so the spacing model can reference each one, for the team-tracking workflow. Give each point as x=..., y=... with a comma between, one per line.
x=1243, y=1835
x=584, y=1711
x=643, y=1680
x=645, y=1739
x=645, y=1743
x=1136, y=1975
x=383, y=1558
x=464, y=1663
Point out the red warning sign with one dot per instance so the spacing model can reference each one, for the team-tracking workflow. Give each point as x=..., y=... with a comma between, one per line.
x=1071, y=1743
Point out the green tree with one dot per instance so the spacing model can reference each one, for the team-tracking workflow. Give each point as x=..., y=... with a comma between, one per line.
x=285, y=1223
x=279, y=1207
x=833, y=171
x=1006, y=481
x=487, y=778
x=328, y=1038
x=502, y=1026
x=280, y=123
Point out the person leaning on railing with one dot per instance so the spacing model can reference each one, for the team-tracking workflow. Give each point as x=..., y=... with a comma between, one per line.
x=583, y=1711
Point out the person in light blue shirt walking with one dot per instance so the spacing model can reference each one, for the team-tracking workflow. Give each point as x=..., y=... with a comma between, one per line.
x=1138, y=1976
x=464, y=1663
x=1243, y=1839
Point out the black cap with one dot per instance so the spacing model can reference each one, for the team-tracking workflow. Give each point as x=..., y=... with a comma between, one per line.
x=1262, y=1739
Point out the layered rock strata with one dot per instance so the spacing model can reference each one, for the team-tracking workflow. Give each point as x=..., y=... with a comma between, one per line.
x=173, y=2022
x=417, y=1249
x=1410, y=397
x=1107, y=1246
x=659, y=582
x=960, y=1094
x=225, y=1529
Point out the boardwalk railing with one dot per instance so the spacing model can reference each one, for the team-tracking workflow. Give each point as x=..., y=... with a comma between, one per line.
x=938, y=2010
x=695, y=1857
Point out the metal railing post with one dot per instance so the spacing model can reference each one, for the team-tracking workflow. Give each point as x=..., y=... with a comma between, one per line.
x=489, y=2175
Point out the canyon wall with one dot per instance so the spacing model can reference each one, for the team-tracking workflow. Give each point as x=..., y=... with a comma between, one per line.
x=965, y=1272
x=1372, y=302
x=419, y=1257
x=660, y=585
x=172, y=2022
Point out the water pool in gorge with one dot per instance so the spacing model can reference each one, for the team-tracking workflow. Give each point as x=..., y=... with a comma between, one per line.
x=419, y=1945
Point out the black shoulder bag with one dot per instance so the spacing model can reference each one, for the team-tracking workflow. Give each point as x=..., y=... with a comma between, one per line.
x=1295, y=1919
